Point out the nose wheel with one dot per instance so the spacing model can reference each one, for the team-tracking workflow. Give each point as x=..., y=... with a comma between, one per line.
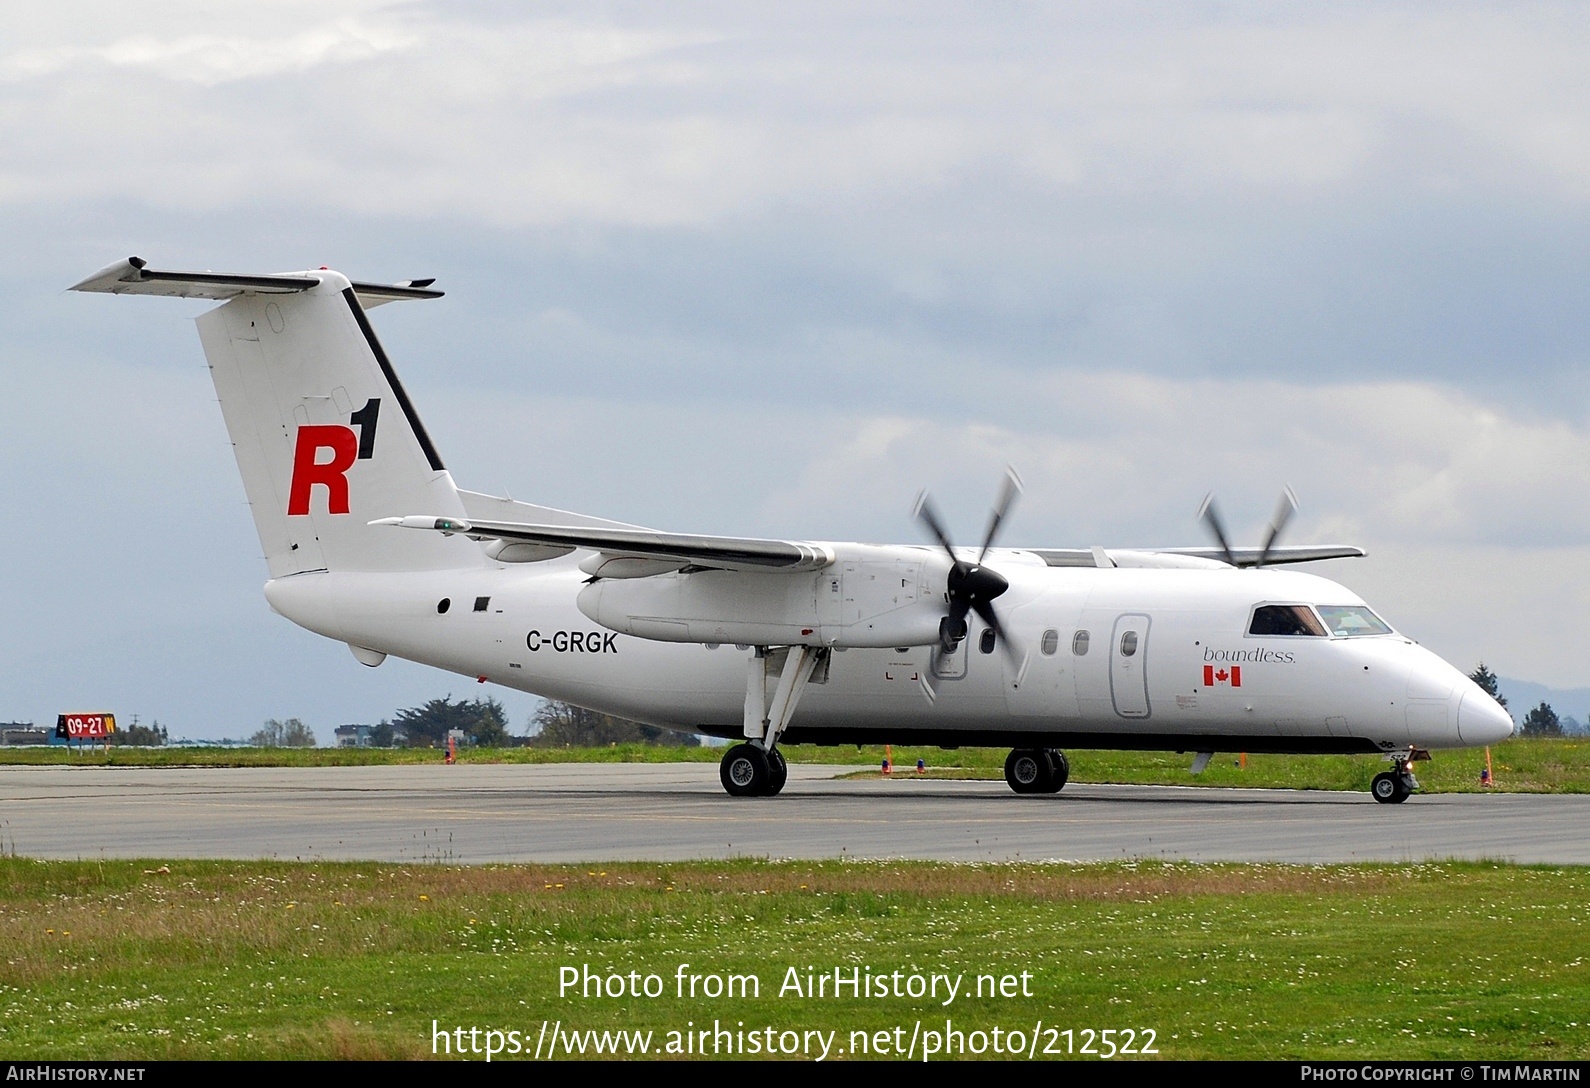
x=1393, y=787
x=1037, y=770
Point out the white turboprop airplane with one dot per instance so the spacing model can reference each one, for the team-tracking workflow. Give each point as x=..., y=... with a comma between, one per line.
x=369, y=542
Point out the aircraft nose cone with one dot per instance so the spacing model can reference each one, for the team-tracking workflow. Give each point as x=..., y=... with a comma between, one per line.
x=1481, y=720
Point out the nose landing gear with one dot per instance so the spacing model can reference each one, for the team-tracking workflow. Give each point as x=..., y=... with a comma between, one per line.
x=1037, y=770
x=1393, y=787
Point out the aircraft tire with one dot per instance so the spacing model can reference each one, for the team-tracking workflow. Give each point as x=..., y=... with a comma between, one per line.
x=1059, y=770
x=1027, y=770
x=1389, y=789
x=744, y=771
x=777, y=773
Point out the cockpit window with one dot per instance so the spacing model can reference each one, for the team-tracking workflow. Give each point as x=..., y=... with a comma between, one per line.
x=1285, y=619
x=1352, y=619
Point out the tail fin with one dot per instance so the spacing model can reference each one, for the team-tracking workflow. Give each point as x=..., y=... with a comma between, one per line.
x=325, y=437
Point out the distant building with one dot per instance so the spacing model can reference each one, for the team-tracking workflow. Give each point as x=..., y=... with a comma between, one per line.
x=23, y=733
x=355, y=736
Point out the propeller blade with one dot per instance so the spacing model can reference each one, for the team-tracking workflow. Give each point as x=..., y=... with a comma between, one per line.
x=1283, y=514
x=1210, y=516
x=1009, y=491
x=985, y=612
x=929, y=516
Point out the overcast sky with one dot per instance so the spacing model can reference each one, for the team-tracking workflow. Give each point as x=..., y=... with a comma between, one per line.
x=723, y=269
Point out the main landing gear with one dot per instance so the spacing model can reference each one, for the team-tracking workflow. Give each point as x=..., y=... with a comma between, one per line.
x=757, y=768
x=1037, y=770
x=1393, y=787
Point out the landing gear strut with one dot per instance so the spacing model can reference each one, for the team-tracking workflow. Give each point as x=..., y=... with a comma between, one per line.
x=1037, y=770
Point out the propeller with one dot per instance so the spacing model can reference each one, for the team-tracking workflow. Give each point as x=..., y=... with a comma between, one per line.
x=972, y=587
x=1209, y=514
x=1283, y=514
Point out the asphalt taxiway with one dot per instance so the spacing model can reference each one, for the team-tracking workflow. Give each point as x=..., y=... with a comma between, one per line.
x=678, y=811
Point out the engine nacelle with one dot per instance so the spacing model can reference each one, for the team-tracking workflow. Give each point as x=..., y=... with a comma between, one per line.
x=870, y=596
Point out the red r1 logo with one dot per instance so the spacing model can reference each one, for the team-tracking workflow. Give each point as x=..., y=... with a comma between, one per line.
x=308, y=470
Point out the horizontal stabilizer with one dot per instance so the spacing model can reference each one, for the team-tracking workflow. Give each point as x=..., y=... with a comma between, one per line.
x=134, y=277
x=681, y=550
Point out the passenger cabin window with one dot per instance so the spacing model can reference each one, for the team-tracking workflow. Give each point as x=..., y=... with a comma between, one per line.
x=986, y=643
x=1350, y=620
x=1050, y=643
x=1079, y=643
x=1285, y=620
x=1129, y=644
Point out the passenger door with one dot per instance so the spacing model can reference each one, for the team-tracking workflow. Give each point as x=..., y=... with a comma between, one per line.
x=1129, y=666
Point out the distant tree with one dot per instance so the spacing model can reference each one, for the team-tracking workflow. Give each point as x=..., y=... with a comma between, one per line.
x=559, y=725
x=1486, y=679
x=140, y=736
x=1571, y=726
x=1542, y=722
x=291, y=733
x=482, y=721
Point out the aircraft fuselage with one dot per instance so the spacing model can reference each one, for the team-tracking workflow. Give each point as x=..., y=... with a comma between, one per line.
x=1109, y=658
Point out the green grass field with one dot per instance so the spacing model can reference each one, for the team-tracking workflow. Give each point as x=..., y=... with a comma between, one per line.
x=1534, y=765
x=262, y=959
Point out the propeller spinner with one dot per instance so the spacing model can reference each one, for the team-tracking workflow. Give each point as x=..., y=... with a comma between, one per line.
x=972, y=587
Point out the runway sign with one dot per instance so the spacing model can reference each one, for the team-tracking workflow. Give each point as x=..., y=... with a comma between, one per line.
x=84, y=726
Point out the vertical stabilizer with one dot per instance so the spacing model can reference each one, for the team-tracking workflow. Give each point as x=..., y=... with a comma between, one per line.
x=325, y=437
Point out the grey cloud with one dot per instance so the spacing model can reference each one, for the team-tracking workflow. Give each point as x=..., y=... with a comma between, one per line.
x=770, y=270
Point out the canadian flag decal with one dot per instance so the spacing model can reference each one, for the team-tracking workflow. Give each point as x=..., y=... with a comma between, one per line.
x=1232, y=676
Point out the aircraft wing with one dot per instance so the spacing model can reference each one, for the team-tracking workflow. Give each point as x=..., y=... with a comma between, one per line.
x=134, y=277
x=1144, y=557
x=1281, y=553
x=669, y=550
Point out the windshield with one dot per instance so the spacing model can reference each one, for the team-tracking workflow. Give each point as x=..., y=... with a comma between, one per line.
x=1284, y=619
x=1352, y=619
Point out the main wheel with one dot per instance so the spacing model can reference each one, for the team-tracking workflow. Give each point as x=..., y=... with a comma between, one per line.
x=744, y=771
x=1389, y=789
x=1027, y=770
x=1059, y=770
x=777, y=772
